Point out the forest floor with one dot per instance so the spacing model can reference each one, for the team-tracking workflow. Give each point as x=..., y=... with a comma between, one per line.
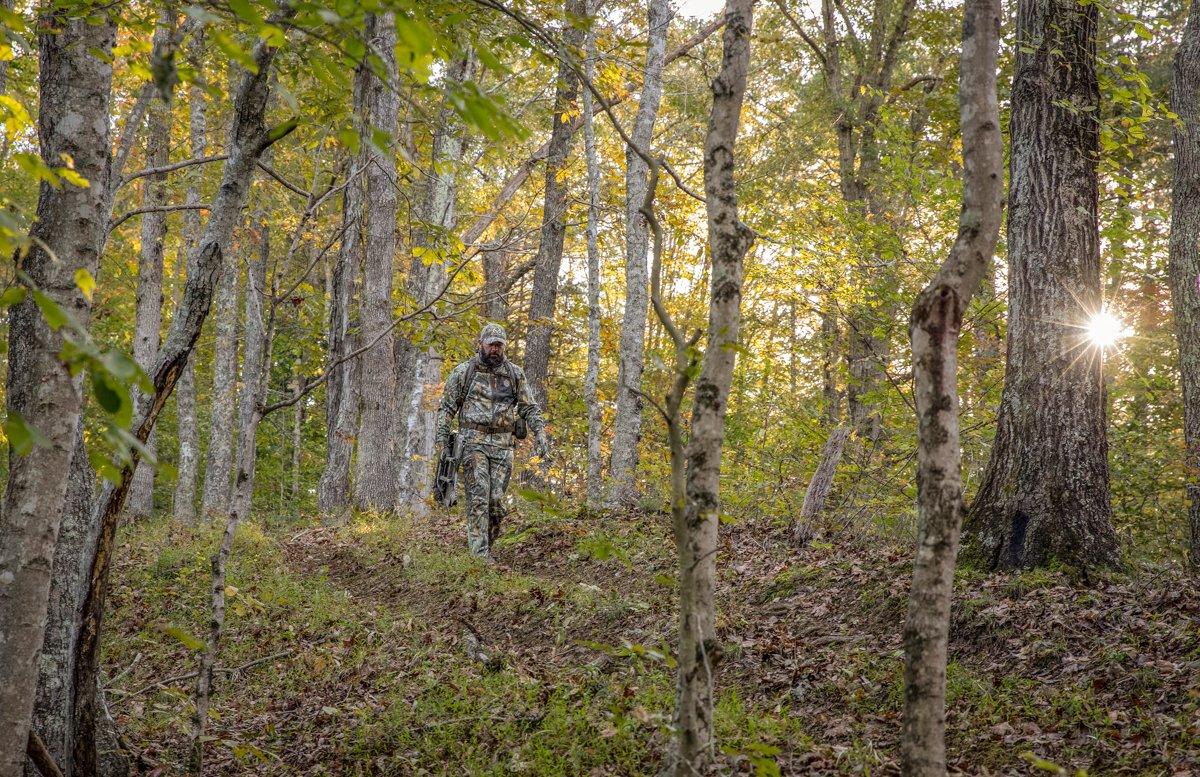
x=381, y=646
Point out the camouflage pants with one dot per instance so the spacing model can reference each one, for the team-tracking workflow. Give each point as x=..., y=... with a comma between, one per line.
x=486, y=470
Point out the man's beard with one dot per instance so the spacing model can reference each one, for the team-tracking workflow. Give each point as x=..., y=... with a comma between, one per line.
x=491, y=360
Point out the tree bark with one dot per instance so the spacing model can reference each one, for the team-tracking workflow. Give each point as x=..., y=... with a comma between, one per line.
x=1185, y=260
x=74, y=85
x=936, y=324
x=1045, y=493
x=420, y=369
x=627, y=425
x=553, y=231
x=696, y=539
x=214, y=499
x=247, y=140
x=185, y=395
x=821, y=483
x=148, y=321
x=377, y=484
x=595, y=491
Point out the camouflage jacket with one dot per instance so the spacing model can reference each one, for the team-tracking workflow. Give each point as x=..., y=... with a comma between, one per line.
x=495, y=399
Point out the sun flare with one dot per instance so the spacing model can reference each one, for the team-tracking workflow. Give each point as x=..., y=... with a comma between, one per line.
x=1105, y=329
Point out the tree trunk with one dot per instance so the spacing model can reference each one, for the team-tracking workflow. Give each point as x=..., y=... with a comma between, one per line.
x=148, y=322
x=1045, y=493
x=936, y=323
x=627, y=425
x=254, y=362
x=185, y=395
x=554, y=228
x=297, y=442
x=420, y=369
x=495, y=272
x=376, y=487
x=696, y=538
x=248, y=138
x=591, y=378
x=1185, y=260
x=214, y=500
x=831, y=408
x=822, y=481
x=341, y=398
x=74, y=87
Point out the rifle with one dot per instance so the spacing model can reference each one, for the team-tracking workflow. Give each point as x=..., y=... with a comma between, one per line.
x=445, y=484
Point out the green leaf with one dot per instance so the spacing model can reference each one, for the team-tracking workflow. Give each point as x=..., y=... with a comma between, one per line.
x=112, y=397
x=21, y=435
x=189, y=641
x=14, y=295
x=232, y=50
x=85, y=282
x=56, y=317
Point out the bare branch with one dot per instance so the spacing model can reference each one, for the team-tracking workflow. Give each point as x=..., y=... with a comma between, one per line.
x=153, y=209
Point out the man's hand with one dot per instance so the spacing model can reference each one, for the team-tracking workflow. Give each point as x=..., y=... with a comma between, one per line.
x=541, y=446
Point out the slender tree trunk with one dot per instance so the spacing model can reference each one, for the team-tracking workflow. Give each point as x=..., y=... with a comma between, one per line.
x=495, y=272
x=148, y=322
x=1185, y=259
x=185, y=396
x=420, y=369
x=821, y=483
x=253, y=365
x=591, y=378
x=627, y=425
x=376, y=487
x=1045, y=494
x=936, y=323
x=696, y=539
x=247, y=140
x=297, y=442
x=75, y=81
x=554, y=229
x=214, y=500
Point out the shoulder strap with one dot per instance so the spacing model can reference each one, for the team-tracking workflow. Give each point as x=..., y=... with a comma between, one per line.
x=466, y=386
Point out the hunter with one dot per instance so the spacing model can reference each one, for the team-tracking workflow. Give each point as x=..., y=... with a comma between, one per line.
x=491, y=398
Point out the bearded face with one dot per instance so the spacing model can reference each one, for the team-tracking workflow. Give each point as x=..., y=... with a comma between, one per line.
x=492, y=355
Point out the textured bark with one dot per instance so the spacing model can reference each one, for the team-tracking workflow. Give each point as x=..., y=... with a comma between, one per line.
x=185, y=393
x=935, y=327
x=419, y=369
x=248, y=139
x=1045, y=493
x=495, y=271
x=822, y=479
x=254, y=360
x=627, y=425
x=148, y=321
x=554, y=229
x=591, y=377
x=696, y=539
x=214, y=500
x=342, y=390
x=1185, y=259
x=376, y=482
x=74, y=86
x=254, y=391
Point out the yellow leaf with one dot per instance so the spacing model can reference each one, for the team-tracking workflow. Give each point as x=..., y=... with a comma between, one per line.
x=231, y=591
x=85, y=282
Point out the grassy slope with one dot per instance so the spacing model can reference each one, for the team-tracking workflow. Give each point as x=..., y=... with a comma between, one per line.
x=405, y=656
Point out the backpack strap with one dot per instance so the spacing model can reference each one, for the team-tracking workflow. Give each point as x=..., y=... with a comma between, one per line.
x=466, y=387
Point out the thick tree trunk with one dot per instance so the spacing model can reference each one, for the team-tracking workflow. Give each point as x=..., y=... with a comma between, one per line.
x=75, y=81
x=554, y=229
x=247, y=140
x=936, y=323
x=420, y=369
x=376, y=486
x=627, y=425
x=148, y=321
x=1045, y=494
x=1185, y=259
x=595, y=491
x=214, y=500
x=185, y=394
x=696, y=538
x=821, y=483
x=495, y=272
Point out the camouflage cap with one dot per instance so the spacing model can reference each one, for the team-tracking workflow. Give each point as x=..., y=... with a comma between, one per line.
x=493, y=333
